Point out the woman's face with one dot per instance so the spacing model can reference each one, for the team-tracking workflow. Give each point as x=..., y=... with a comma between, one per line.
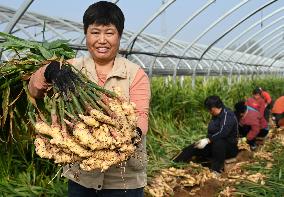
x=256, y=96
x=102, y=42
x=214, y=111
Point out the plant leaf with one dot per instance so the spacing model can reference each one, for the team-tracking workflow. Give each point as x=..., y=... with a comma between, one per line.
x=5, y=104
x=32, y=100
x=45, y=53
x=55, y=44
x=18, y=41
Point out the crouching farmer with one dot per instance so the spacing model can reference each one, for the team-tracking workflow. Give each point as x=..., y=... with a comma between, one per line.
x=251, y=124
x=221, y=141
x=278, y=112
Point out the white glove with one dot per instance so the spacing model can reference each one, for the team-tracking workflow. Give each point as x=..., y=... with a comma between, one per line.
x=244, y=139
x=202, y=143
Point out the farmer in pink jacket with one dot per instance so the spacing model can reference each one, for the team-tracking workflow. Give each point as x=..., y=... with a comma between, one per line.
x=251, y=123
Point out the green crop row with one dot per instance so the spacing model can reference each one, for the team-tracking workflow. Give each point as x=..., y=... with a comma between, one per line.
x=177, y=118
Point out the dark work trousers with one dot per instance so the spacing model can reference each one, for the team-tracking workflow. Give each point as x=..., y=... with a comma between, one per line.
x=215, y=152
x=77, y=190
x=243, y=131
x=267, y=112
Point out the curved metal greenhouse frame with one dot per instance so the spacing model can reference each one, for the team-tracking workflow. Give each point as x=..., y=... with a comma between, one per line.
x=246, y=49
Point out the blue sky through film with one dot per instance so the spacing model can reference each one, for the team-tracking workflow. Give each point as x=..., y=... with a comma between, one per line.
x=137, y=12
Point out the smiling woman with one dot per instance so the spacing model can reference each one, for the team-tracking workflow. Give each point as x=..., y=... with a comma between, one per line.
x=103, y=32
x=103, y=27
x=103, y=43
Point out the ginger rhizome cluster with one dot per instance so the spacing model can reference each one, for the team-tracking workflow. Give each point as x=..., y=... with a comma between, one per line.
x=95, y=128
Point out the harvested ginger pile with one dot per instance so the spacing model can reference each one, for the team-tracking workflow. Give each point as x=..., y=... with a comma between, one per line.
x=95, y=140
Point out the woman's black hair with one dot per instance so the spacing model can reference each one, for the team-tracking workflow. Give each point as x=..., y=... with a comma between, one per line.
x=213, y=101
x=240, y=108
x=257, y=90
x=104, y=13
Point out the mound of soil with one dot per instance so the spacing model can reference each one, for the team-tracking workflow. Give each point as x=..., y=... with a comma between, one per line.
x=244, y=155
x=210, y=188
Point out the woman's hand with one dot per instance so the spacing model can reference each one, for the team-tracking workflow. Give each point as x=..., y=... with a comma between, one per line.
x=61, y=76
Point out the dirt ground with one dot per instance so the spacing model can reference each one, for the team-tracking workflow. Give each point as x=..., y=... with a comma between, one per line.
x=175, y=182
x=212, y=186
x=209, y=189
